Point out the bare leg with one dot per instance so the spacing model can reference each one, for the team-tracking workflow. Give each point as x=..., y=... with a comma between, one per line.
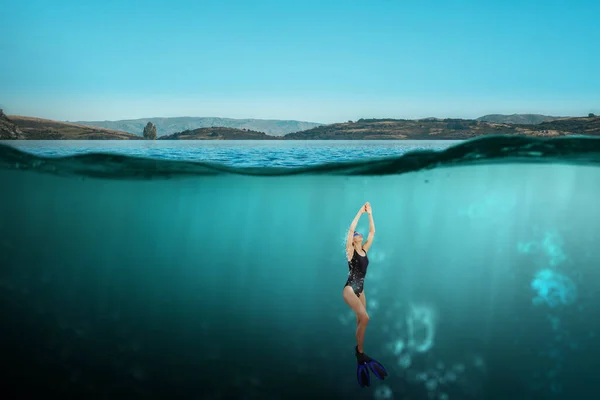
x=361, y=314
x=363, y=300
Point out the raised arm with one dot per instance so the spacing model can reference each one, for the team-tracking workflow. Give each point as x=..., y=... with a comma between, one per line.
x=350, y=238
x=371, y=228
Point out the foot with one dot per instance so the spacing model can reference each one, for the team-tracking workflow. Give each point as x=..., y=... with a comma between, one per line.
x=360, y=357
x=362, y=370
x=364, y=360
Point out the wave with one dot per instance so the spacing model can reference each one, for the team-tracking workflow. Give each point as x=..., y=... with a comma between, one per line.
x=579, y=150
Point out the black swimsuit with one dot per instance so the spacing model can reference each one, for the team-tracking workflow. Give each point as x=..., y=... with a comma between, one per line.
x=357, y=271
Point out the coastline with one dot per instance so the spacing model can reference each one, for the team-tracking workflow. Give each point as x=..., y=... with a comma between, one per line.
x=31, y=128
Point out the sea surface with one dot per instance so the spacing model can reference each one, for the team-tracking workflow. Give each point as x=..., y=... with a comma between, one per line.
x=236, y=153
x=215, y=270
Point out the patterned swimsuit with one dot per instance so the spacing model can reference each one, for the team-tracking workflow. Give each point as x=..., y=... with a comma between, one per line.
x=357, y=267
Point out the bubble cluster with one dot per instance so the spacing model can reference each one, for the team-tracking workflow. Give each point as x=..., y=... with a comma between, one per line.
x=383, y=392
x=421, y=328
x=551, y=246
x=553, y=289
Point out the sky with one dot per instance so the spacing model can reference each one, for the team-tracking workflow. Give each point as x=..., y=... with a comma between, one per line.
x=320, y=61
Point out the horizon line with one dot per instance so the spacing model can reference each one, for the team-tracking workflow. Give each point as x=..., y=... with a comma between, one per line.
x=295, y=120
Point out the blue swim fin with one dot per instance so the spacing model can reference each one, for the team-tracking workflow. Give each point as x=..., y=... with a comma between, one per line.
x=362, y=370
x=365, y=361
x=362, y=374
x=377, y=369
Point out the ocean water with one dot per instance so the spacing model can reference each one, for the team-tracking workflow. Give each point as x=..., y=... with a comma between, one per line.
x=131, y=277
x=236, y=153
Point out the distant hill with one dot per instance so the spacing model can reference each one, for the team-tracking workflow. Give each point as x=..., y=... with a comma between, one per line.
x=402, y=129
x=167, y=126
x=521, y=119
x=45, y=129
x=589, y=126
x=219, y=133
x=446, y=129
x=19, y=127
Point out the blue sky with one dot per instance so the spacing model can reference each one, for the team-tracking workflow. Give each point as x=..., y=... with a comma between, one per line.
x=323, y=61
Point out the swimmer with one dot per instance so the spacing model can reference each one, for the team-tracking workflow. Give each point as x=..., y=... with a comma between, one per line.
x=354, y=294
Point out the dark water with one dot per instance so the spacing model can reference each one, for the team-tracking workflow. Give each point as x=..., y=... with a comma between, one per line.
x=131, y=278
x=237, y=153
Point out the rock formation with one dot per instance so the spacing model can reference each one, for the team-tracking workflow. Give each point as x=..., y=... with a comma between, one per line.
x=8, y=130
x=150, y=131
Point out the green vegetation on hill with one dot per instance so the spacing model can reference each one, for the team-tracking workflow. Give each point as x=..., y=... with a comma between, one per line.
x=399, y=129
x=219, y=134
x=443, y=129
x=583, y=126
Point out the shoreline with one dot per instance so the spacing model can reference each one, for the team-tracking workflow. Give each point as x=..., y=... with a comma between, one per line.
x=31, y=128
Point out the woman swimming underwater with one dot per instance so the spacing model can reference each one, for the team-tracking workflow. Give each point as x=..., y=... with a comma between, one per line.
x=354, y=294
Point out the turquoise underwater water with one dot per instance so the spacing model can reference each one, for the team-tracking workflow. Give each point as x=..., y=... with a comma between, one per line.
x=126, y=277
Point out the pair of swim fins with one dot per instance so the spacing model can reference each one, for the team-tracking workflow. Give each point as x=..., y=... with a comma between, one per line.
x=364, y=364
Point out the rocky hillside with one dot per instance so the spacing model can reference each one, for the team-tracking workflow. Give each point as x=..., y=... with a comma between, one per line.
x=18, y=127
x=446, y=129
x=219, y=134
x=45, y=129
x=519, y=119
x=573, y=126
x=167, y=126
x=8, y=129
x=400, y=129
